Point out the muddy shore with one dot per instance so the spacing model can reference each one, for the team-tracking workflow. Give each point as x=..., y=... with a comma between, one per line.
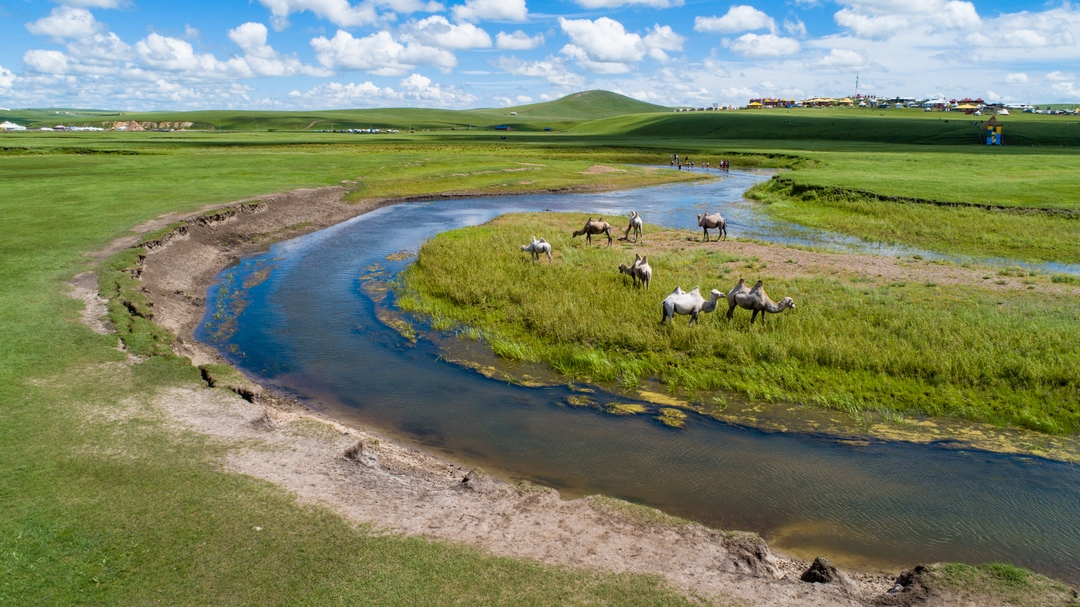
x=370, y=479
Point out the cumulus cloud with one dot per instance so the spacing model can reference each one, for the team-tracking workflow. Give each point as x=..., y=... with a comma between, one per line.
x=551, y=69
x=595, y=4
x=604, y=46
x=437, y=31
x=518, y=41
x=883, y=19
x=65, y=23
x=338, y=12
x=413, y=88
x=740, y=18
x=841, y=58
x=1027, y=30
x=795, y=28
x=1020, y=78
x=7, y=78
x=491, y=10
x=261, y=59
x=763, y=46
x=378, y=54
x=95, y=3
x=175, y=55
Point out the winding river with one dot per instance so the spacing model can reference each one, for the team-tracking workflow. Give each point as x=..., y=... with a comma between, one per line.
x=304, y=324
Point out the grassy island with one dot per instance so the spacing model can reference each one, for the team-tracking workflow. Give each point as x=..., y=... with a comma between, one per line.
x=861, y=338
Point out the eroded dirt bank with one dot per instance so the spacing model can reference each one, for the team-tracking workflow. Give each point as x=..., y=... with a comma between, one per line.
x=369, y=479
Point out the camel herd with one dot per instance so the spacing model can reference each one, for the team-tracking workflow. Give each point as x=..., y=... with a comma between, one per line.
x=679, y=302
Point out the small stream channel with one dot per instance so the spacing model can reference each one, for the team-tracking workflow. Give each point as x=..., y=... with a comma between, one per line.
x=304, y=325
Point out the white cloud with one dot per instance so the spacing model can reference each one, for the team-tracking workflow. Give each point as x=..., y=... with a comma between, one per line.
x=437, y=31
x=491, y=10
x=763, y=46
x=605, y=47
x=95, y=3
x=1020, y=78
x=175, y=55
x=740, y=18
x=46, y=62
x=795, y=28
x=883, y=19
x=338, y=12
x=551, y=69
x=595, y=4
x=1059, y=76
x=378, y=54
x=603, y=40
x=414, y=88
x=261, y=59
x=66, y=23
x=841, y=58
x=518, y=41
x=7, y=78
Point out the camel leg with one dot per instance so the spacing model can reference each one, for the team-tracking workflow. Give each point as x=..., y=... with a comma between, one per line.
x=693, y=318
x=753, y=317
x=706, y=230
x=548, y=254
x=731, y=312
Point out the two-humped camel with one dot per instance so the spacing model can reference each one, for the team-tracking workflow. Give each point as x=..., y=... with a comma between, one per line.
x=712, y=222
x=537, y=247
x=692, y=303
x=595, y=226
x=755, y=299
x=639, y=270
x=635, y=226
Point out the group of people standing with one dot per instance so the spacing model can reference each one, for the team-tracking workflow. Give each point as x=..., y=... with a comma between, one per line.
x=724, y=165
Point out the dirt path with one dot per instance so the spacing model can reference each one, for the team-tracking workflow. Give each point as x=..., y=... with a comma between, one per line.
x=371, y=479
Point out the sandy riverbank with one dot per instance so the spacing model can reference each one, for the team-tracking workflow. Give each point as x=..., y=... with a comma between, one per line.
x=398, y=489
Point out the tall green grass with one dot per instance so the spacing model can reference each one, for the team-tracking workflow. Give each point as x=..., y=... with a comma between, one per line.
x=954, y=228
x=910, y=348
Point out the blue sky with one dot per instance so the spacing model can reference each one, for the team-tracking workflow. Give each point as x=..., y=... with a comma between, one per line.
x=323, y=54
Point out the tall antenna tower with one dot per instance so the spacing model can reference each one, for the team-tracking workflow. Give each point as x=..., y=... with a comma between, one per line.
x=856, y=86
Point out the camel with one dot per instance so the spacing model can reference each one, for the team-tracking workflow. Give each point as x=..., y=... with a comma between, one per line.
x=635, y=225
x=536, y=247
x=639, y=270
x=714, y=221
x=597, y=226
x=755, y=299
x=692, y=303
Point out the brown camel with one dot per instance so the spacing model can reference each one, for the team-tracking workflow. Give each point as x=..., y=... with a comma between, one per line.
x=756, y=300
x=712, y=222
x=594, y=226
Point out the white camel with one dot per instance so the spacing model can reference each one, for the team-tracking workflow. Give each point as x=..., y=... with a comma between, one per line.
x=756, y=300
x=639, y=270
x=712, y=222
x=536, y=247
x=635, y=226
x=692, y=303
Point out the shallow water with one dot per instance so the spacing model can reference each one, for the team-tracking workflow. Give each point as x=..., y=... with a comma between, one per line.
x=307, y=327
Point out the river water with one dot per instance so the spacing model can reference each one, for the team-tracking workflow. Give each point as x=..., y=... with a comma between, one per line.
x=302, y=322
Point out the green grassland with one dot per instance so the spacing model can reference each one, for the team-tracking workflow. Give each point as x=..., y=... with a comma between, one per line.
x=123, y=511
x=856, y=345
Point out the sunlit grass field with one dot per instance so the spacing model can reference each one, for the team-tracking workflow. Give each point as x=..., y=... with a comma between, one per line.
x=853, y=344
x=126, y=511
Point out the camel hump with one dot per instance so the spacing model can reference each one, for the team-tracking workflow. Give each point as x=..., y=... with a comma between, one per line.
x=758, y=285
x=696, y=291
x=645, y=260
x=541, y=240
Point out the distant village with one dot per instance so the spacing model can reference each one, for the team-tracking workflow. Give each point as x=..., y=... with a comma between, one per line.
x=939, y=104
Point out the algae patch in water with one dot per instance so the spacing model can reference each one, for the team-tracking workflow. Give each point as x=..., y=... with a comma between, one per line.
x=580, y=400
x=624, y=408
x=673, y=418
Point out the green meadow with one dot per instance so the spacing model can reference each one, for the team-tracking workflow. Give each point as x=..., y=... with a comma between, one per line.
x=854, y=344
x=101, y=508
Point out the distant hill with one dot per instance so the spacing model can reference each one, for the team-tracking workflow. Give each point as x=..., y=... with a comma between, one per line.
x=587, y=105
